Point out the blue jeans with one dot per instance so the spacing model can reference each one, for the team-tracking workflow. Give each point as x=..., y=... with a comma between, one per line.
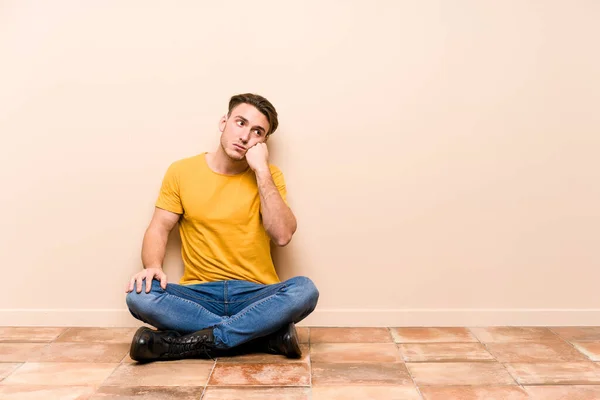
x=239, y=311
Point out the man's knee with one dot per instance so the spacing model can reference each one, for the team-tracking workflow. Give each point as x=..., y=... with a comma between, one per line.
x=306, y=290
x=141, y=303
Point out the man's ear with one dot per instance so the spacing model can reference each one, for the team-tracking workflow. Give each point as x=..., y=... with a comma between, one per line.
x=222, y=123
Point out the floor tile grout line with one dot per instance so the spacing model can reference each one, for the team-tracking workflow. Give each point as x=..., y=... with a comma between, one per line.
x=503, y=366
x=542, y=341
x=65, y=329
x=414, y=381
x=491, y=354
x=576, y=349
x=124, y=357
x=68, y=328
x=406, y=366
x=571, y=344
x=109, y=375
x=208, y=379
x=309, y=364
x=580, y=340
x=13, y=371
x=310, y=386
x=470, y=329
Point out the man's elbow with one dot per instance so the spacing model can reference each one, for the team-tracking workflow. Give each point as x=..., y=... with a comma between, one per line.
x=283, y=240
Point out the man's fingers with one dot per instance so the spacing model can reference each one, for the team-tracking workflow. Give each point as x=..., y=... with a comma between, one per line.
x=137, y=281
x=149, y=277
x=138, y=285
x=129, y=286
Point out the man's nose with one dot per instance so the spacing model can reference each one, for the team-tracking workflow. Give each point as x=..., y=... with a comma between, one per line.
x=245, y=137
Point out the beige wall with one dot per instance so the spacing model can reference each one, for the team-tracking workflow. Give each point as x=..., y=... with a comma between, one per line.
x=441, y=157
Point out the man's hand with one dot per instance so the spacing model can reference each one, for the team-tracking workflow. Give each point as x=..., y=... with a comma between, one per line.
x=257, y=157
x=148, y=274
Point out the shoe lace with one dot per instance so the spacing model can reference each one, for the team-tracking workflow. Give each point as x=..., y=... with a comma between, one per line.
x=188, y=346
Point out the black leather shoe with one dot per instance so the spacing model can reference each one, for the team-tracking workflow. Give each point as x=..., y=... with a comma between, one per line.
x=151, y=345
x=285, y=341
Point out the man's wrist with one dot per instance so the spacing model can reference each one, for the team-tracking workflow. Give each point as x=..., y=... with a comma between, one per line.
x=262, y=171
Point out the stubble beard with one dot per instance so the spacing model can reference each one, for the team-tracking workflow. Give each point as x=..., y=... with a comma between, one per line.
x=236, y=159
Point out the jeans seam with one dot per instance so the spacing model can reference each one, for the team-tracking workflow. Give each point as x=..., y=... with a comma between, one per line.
x=225, y=300
x=175, y=289
x=247, y=309
x=283, y=286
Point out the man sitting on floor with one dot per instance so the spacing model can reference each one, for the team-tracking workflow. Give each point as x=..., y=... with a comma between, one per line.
x=230, y=204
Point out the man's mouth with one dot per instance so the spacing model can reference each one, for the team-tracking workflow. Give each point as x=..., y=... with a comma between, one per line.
x=237, y=146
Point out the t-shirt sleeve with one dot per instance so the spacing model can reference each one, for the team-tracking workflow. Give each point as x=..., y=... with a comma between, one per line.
x=279, y=182
x=169, y=197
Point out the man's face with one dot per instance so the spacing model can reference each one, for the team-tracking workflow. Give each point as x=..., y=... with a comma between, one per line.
x=245, y=127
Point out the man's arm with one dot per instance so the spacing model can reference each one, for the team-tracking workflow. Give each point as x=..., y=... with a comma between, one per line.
x=278, y=218
x=154, y=244
x=154, y=247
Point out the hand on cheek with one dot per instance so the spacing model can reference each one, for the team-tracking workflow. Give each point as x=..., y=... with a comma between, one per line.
x=257, y=156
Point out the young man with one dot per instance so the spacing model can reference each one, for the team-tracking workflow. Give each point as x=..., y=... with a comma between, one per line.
x=230, y=205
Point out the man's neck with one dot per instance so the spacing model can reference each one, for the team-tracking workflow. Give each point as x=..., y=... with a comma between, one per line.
x=219, y=162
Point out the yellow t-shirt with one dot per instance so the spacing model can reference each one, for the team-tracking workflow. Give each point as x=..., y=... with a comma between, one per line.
x=221, y=228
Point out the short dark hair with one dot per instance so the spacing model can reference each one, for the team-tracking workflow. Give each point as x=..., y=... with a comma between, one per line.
x=263, y=105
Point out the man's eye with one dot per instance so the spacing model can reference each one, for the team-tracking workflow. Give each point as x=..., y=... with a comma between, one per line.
x=257, y=132
x=240, y=123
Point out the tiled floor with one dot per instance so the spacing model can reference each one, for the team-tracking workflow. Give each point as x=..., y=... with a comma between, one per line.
x=338, y=363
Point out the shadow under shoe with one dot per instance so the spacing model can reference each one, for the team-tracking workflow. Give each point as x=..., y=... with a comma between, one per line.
x=151, y=345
